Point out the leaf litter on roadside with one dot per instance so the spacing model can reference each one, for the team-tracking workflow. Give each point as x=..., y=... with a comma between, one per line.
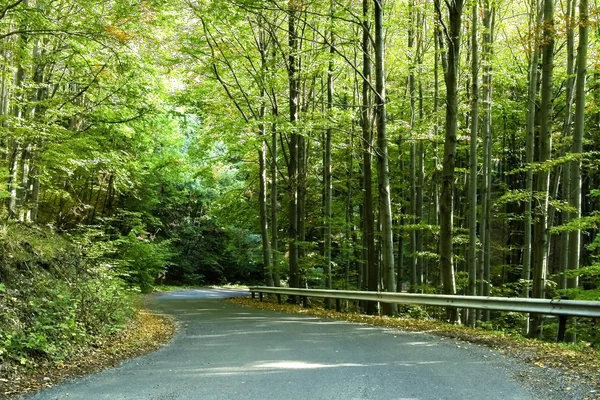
x=579, y=363
x=145, y=333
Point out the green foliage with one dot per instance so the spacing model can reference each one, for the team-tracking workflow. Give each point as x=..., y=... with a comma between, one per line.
x=143, y=259
x=583, y=223
x=506, y=322
x=53, y=298
x=415, y=312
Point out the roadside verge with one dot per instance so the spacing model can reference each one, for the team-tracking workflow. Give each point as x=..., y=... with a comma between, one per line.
x=145, y=333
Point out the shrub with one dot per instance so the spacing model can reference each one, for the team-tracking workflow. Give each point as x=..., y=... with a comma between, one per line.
x=53, y=298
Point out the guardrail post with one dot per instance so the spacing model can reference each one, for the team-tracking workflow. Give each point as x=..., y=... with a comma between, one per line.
x=260, y=295
x=562, y=328
x=338, y=305
x=305, y=301
x=253, y=295
x=278, y=298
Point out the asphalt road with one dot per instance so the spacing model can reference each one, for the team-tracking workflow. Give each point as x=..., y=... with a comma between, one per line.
x=226, y=352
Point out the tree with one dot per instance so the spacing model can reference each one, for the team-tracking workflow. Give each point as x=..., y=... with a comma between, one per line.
x=452, y=33
x=383, y=171
x=532, y=90
x=540, y=231
x=472, y=256
x=577, y=149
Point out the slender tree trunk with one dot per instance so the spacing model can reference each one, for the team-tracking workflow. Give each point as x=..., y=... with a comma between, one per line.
x=565, y=181
x=472, y=256
x=447, y=196
x=414, y=278
x=262, y=200
x=372, y=275
x=532, y=91
x=540, y=231
x=350, y=229
x=327, y=165
x=262, y=157
x=15, y=147
x=488, y=39
x=578, y=134
x=383, y=171
x=436, y=163
x=294, y=100
x=274, y=203
x=419, y=199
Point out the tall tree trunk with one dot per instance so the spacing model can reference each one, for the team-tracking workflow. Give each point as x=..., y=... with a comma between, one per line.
x=540, y=230
x=414, y=279
x=372, y=275
x=383, y=171
x=294, y=101
x=472, y=256
x=436, y=94
x=327, y=163
x=565, y=181
x=485, y=237
x=421, y=276
x=447, y=196
x=262, y=157
x=15, y=147
x=578, y=132
x=532, y=91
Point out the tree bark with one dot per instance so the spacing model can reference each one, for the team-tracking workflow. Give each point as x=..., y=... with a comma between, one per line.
x=262, y=200
x=578, y=134
x=274, y=204
x=488, y=39
x=472, y=256
x=383, y=171
x=294, y=100
x=532, y=91
x=562, y=177
x=372, y=273
x=327, y=164
x=540, y=230
x=447, y=193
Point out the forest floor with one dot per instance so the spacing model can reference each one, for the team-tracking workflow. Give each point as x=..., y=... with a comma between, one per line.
x=578, y=363
x=146, y=332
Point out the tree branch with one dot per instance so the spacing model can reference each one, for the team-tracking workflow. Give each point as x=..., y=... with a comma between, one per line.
x=9, y=7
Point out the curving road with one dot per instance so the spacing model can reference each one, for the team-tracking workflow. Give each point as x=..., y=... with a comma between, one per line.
x=225, y=352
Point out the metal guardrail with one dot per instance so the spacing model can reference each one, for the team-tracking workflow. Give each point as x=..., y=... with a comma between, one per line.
x=575, y=308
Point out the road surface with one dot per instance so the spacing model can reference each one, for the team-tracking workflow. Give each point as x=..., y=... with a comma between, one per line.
x=225, y=352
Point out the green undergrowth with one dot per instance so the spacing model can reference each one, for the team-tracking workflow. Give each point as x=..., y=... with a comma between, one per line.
x=57, y=294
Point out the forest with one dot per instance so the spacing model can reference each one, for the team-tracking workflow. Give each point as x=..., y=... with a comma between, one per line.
x=426, y=146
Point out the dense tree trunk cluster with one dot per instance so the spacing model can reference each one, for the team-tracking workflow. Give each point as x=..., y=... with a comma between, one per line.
x=481, y=221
